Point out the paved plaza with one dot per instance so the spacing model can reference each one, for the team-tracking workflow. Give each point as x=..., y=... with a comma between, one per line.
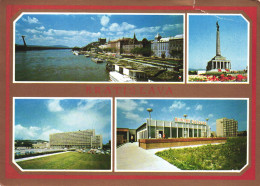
x=131, y=157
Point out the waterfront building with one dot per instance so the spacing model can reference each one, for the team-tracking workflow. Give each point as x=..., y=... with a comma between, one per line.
x=226, y=127
x=179, y=127
x=124, y=45
x=218, y=62
x=169, y=46
x=77, y=139
x=126, y=74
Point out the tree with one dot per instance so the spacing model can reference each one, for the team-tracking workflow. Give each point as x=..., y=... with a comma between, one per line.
x=163, y=55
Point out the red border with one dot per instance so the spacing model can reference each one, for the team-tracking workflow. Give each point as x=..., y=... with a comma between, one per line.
x=10, y=172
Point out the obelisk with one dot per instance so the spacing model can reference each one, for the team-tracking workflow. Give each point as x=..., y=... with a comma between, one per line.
x=218, y=53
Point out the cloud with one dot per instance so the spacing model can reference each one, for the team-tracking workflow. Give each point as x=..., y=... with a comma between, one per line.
x=115, y=27
x=153, y=29
x=187, y=108
x=177, y=105
x=210, y=115
x=40, y=28
x=33, y=132
x=54, y=105
x=170, y=27
x=31, y=20
x=143, y=102
x=127, y=105
x=198, y=107
x=22, y=132
x=104, y=20
x=141, y=109
x=33, y=31
x=92, y=18
x=52, y=32
x=133, y=117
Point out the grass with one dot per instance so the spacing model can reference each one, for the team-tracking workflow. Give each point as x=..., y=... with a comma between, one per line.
x=229, y=156
x=69, y=160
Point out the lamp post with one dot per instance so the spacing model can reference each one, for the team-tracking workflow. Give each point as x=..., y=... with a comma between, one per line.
x=207, y=119
x=185, y=115
x=149, y=110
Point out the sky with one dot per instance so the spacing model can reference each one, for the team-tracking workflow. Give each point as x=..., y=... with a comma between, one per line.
x=80, y=29
x=37, y=118
x=132, y=113
x=202, y=40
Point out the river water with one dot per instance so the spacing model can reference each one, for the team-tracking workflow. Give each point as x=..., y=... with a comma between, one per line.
x=57, y=65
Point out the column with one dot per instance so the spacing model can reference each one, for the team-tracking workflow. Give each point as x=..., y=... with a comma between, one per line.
x=197, y=130
x=127, y=135
x=155, y=129
x=163, y=126
x=171, y=129
x=177, y=132
x=193, y=131
x=182, y=130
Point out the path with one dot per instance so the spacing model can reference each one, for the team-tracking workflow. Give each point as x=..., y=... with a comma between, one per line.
x=132, y=157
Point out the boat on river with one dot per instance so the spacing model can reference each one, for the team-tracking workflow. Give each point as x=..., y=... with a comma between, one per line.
x=97, y=60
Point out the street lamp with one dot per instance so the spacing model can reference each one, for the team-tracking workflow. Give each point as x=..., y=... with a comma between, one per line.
x=185, y=115
x=149, y=110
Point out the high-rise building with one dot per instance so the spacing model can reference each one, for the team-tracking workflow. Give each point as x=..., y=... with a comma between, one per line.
x=77, y=139
x=226, y=127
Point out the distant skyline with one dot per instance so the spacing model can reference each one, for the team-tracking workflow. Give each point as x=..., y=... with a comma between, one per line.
x=202, y=40
x=132, y=113
x=37, y=118
x=80, y=29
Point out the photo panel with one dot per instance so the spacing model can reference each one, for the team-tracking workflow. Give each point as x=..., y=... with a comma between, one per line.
x=98, y=48
x=62, y=134
x=182, y=135
x=218, y=48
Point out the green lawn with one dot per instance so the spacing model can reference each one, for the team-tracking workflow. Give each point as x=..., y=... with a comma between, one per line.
x=229, y=156
x=69, y=160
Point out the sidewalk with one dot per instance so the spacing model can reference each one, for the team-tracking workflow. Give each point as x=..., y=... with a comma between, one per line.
x=34, y=157
x=132, y=157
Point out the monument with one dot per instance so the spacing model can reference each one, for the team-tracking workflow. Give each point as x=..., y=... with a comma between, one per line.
x=218, y=62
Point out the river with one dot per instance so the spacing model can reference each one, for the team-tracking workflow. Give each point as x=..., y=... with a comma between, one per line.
x=57, y=65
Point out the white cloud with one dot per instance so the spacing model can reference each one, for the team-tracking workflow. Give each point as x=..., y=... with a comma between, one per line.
x=52, y=32
x=187, y=108
x=30, y=20
x=104, y=20
x=152, y=29
x=33, y=31
x=127, y=104
x=177, y=105
x=143, y=102
x=141, y=109
x=40, y=28
x=210, y=115
x=115, y=27
x=33, y=132
x=54, y=105
x=169, y=27
x=133, y=117
x=22, y=132
x=198, y=107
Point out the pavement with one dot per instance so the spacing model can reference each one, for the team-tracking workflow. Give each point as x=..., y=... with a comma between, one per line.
x=40, y=156
x=131, y=157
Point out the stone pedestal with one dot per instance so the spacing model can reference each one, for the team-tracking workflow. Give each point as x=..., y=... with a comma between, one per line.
x=218, y=62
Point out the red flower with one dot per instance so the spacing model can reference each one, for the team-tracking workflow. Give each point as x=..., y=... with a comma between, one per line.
x=219, y=70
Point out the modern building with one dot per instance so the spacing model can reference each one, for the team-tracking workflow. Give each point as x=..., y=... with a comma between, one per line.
x=226, y=127
x=124, y=135
x=168, y=46
x=77, y=139
x=185, y=128
x=218, y=62
x=42, y=145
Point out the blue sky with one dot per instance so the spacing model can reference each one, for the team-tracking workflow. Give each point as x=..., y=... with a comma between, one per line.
x=79, y=30
x=131, y=113
x=37, y=118
x=202, y=40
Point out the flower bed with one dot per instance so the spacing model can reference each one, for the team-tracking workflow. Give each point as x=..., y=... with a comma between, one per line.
x=175, y=142
x=218, y=78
